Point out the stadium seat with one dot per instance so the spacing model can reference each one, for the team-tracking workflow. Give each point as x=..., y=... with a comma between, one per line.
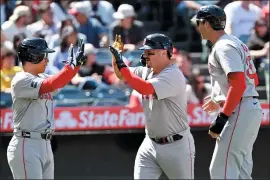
x=110, y=92
x=103, y=56
x=70, y=92
x=108, y=102
x=5, y=100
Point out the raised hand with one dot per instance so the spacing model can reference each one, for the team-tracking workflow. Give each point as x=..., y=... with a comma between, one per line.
x=118, y=58
x=80, y=57
x=118, y=44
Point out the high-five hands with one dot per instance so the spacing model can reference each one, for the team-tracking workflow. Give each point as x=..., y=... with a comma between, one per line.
x=79, y=59
x=116, y=50
x=118, y=44
x=118, y=58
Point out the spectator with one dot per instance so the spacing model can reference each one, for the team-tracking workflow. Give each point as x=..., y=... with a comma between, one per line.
x=241, y=17
x=131, y=30
x=16, y=41
x=266, y=14
x=90, y=27
x=68, y=36
x=187, y=9
x=32, y=6
x=8, y=68
x=97, y=72
x=58, y=10
x=17, y=22
x=197, y=89
x=103, y=11
x=5, y=11
x=45, y=26
x=184, y=61
x=257, y=42
x=55, y=40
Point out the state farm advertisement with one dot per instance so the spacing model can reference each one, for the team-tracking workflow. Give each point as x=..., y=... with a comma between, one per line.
x=109, y=118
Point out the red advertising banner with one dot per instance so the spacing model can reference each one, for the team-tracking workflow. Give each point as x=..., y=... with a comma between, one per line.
x=109, y=118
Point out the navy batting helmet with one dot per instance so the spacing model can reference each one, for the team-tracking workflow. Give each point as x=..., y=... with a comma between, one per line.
x=212, y=14
x=33, y=50
x=158, y=41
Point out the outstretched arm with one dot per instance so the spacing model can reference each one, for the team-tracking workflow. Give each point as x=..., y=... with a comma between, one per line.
x=67, y=73
x=137, y=83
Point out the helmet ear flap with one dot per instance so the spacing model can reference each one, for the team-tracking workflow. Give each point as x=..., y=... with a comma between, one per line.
x=169, y=54
x=24, y=55
x=143, y=60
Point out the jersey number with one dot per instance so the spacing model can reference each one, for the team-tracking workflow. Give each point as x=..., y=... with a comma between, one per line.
x=249, y=64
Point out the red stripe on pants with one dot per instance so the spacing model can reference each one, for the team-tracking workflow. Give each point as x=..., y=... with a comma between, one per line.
x=190, y=158
x=226, y=165
x=23, y=158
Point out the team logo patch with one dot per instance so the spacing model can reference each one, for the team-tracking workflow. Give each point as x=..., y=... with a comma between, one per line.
x=34, y=84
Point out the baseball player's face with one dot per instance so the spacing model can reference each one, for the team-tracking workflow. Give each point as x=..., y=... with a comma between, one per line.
x=42, y=65
x=202, y=26
x=153, y=58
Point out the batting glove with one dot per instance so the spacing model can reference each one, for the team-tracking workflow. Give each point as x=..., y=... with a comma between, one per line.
x=218, y=125
x=80, y=57
x=118, y=58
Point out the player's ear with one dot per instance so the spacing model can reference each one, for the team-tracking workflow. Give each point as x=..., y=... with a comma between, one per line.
x=207, y=25
x=164, y=52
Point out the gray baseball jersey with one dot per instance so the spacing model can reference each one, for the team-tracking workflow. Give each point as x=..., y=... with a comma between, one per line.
x=232, y=157
x=32, y=111
x=166, y=112
x=31, y=158
x=166, y=115
x=229, y=54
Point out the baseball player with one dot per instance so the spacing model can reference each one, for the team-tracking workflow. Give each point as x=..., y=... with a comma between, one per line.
x=168, y=145
x=29, y=152
x=233, y=76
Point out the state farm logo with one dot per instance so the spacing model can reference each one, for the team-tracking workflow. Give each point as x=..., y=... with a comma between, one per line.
x=65, y=120
x=104, y=119
x=198, y=116
x=6, y=122
x=122, y=119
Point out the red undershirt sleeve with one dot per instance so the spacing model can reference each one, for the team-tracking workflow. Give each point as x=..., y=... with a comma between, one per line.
x=58, y=80
x=137, y=83
x=236, y=90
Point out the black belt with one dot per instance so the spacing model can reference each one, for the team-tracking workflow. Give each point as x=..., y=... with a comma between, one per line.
x=46, y=136
x=168, y=139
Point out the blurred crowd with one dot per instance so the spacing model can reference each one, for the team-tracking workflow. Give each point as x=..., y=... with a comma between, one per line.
x=62, y=23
